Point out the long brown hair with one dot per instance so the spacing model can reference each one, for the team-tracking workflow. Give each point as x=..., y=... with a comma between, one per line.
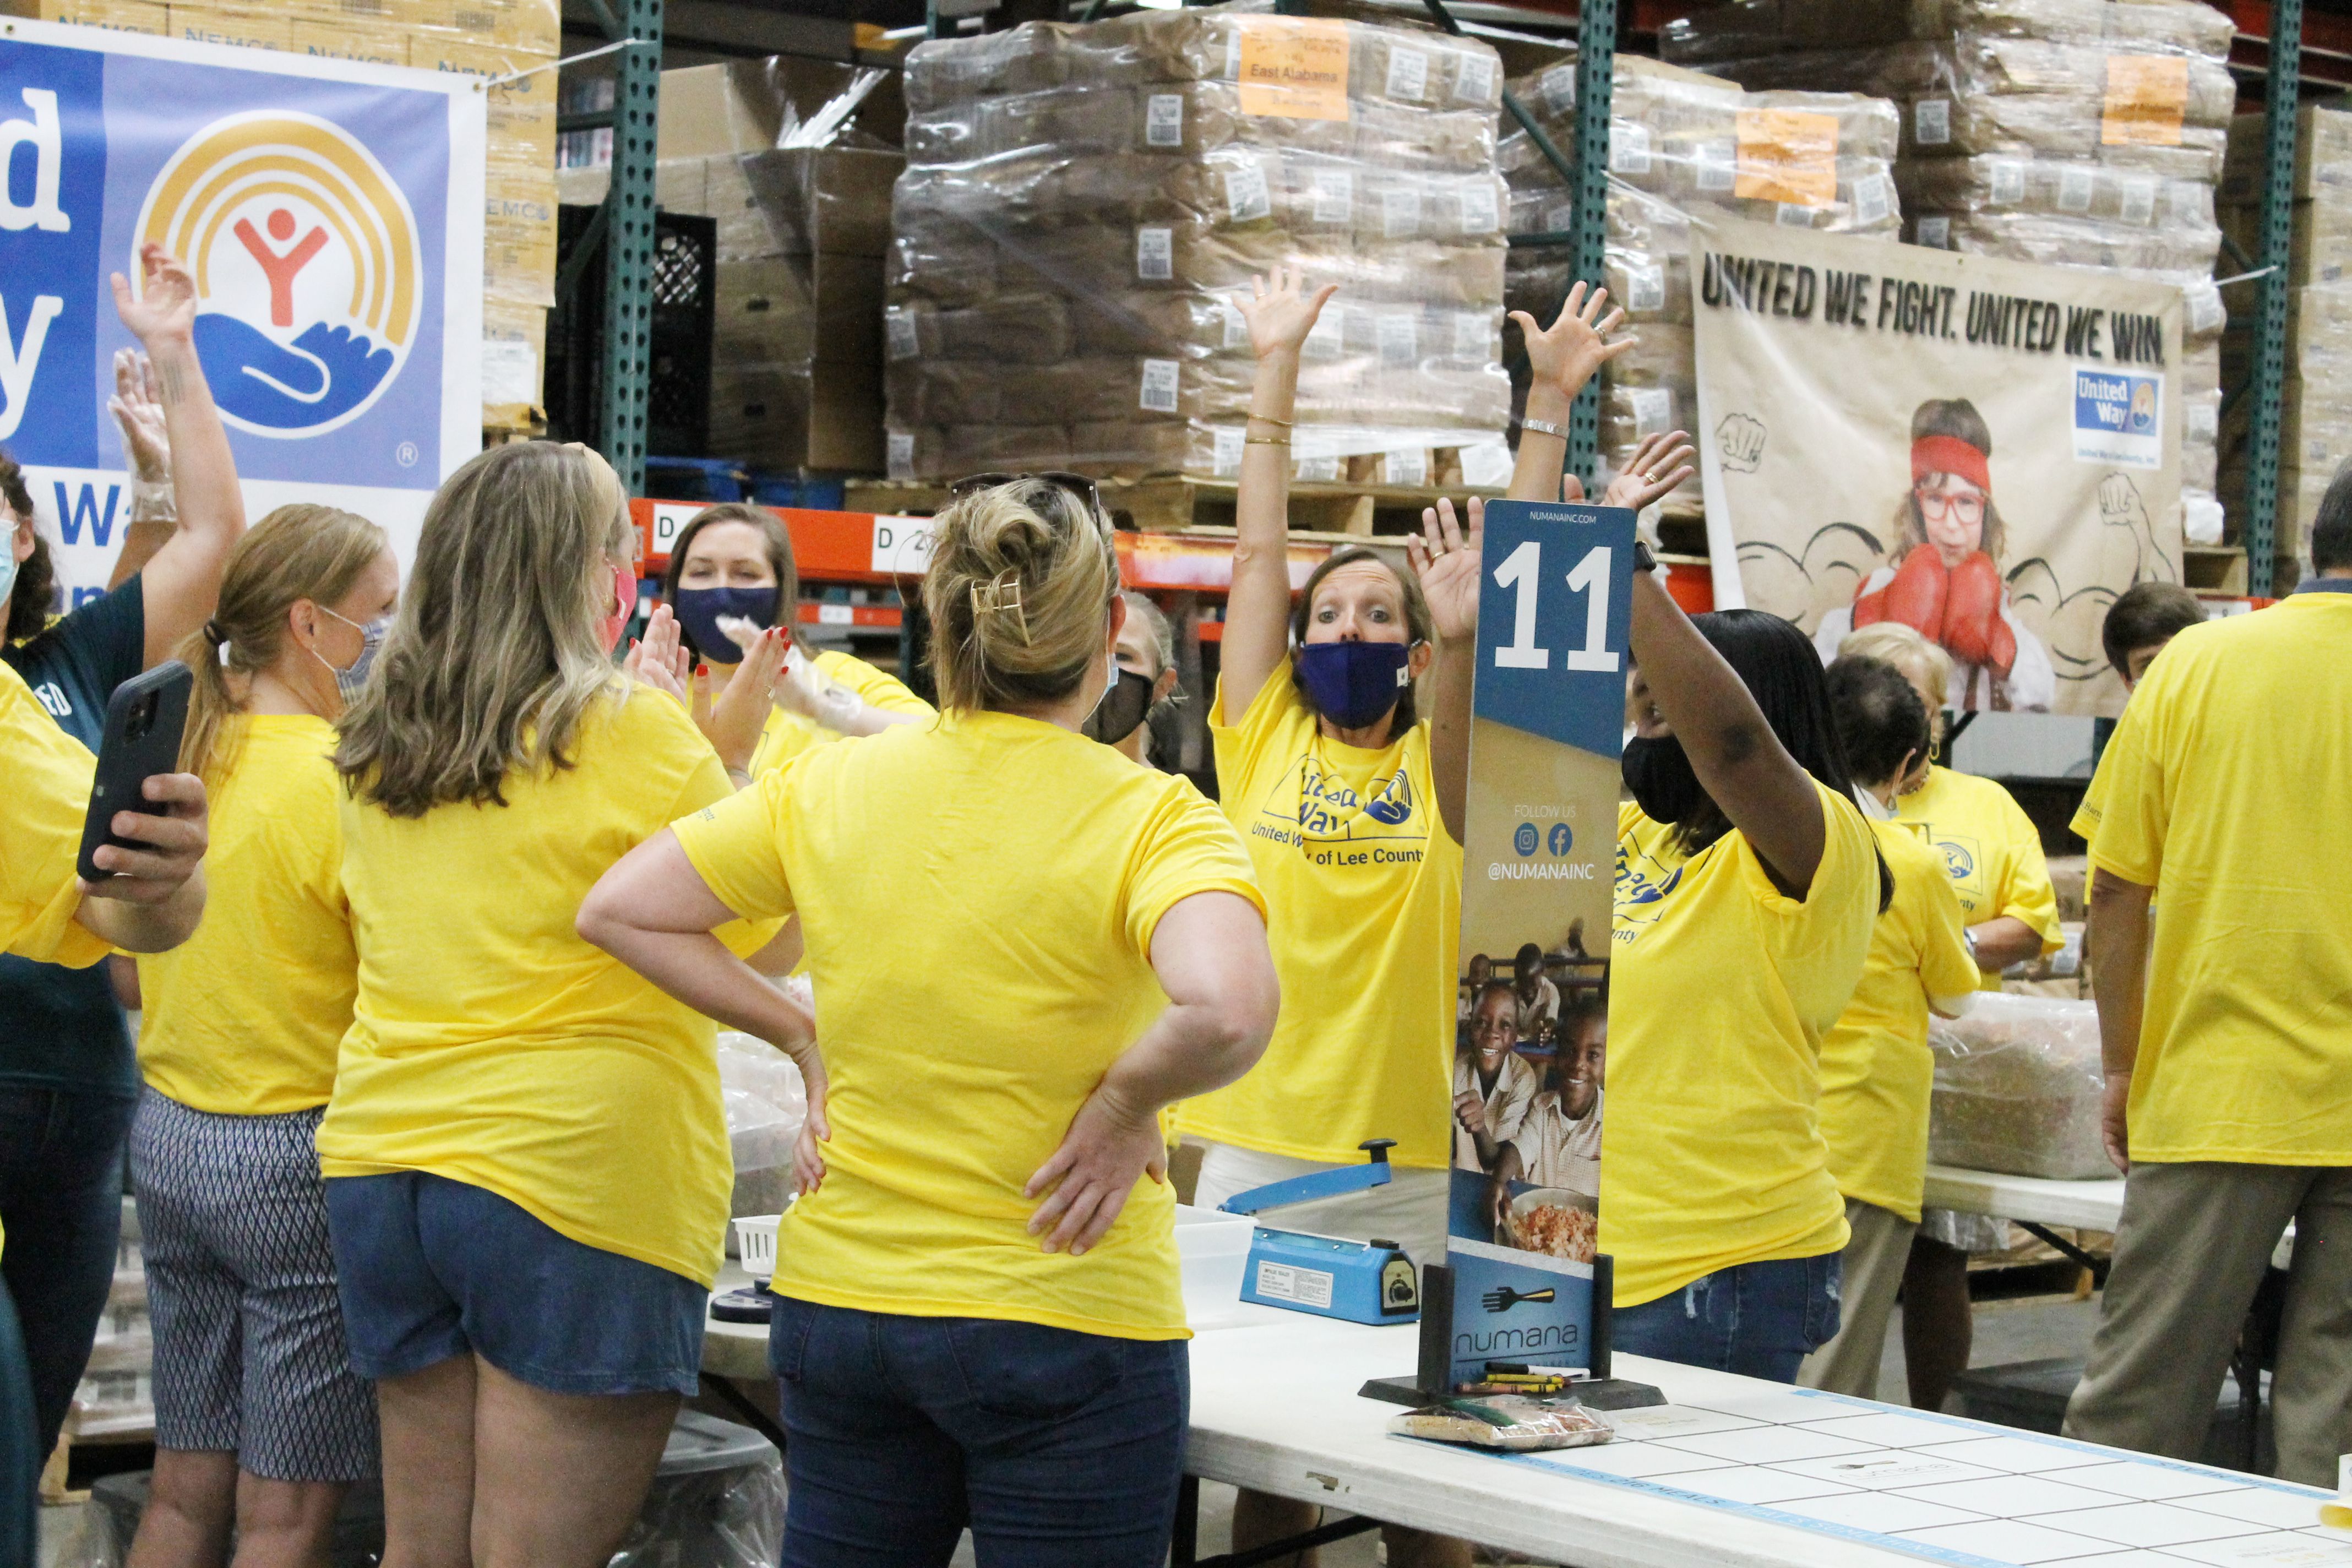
x=494, y=657
x=297, y=552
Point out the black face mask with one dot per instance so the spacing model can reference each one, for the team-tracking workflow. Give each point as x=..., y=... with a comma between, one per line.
x=1126, y=703
x=1659, y=774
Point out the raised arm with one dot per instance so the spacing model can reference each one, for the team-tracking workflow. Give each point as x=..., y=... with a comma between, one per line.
x=182, y=583
x=1257, y=610
x=138, y=409
x=1559, y=362
x=1210, y=954
x=1447, y=560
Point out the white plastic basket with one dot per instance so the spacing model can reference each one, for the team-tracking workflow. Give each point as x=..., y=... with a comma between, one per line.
x=755, y=1237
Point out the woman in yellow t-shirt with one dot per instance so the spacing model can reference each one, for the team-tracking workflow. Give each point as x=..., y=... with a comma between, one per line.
x=1748, y=883
x=1145, y=683
x=1087, y=935
x=259, y=1421
x=1993, y=853
x=733, y=562
x=1876, y=1069
x=526, y=1156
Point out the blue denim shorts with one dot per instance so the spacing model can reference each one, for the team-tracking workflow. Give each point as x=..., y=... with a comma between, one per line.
x=430, y=1269
x=1760, y=1319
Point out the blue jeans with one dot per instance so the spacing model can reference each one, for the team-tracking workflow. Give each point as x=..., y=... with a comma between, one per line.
x=61, y=1206
x=1759, y=1320
x=1058, y=1449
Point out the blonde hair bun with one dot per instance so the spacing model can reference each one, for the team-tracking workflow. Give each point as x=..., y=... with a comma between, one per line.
x=1021, y=580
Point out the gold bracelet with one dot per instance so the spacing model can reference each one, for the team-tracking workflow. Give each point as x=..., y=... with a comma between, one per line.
x=1266, y=440
x=1270, y=419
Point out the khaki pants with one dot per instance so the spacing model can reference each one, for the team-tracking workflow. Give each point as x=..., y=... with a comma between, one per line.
x=2189, y=1253
x=1872, y=1270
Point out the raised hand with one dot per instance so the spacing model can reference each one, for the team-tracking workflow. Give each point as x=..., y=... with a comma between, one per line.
x=1659, y=463
x=732, y=718
x=1447, y=562
x=165, y=307
x=1563, y=357
x=1281, y=312
x=659, y=659
x=138, y=409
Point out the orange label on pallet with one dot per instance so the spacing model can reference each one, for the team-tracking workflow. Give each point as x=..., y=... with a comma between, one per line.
x=2147, y=97
x=1787, y=156
x=1294, y=67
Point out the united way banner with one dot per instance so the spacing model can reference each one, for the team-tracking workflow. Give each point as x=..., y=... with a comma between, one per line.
x=1985, y=450
x=1538, y=863
x=331, y=215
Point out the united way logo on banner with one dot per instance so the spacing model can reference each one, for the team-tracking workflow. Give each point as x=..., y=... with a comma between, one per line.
x=307, y=266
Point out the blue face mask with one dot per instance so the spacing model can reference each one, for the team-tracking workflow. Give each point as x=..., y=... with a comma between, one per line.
x=698, y=609
x=1353, y=683
x=349, y=679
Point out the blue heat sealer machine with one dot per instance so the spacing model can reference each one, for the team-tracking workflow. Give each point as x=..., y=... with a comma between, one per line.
x=1362, y=1282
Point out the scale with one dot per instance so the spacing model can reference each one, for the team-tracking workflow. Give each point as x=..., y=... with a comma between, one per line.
x=1358, y=1281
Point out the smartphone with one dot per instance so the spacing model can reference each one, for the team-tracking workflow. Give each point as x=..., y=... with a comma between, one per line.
x=144, y=720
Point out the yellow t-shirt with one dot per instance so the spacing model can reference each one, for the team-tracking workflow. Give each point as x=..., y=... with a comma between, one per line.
x=2228, y=772
x=492, y=1046
x=1363, y=892
x=49, y=776
x=1876, y=1069
x=786, y=735
x=1720, y=991
x=2089, y=815
x=1991, y=849
x=243, y=1017
x=979, y=899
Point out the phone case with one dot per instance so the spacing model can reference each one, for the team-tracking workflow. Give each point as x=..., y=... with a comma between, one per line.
x=144, y=721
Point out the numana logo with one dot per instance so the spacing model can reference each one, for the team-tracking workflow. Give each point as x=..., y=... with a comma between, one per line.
x=309, y=277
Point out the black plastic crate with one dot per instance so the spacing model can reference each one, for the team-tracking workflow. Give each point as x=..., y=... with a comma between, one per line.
x=686, y=294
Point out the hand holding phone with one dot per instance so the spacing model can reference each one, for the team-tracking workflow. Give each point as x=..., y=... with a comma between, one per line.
x=129, y=852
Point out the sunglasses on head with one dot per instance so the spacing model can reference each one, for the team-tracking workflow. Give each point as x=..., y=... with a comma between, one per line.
x=1078, y=485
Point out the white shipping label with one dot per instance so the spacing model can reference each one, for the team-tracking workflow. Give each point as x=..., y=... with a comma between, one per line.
x=1645, y=288
x=1480, y=211
x=1160, y=376
x=1237, y=334
x=1873, y=199
x=2139, y=200
x=2206, y=311
x=1487, y=466
x=1400, y=212
x=1475, y=81
x=900, y=327
x=2188, y=200
x=1327, y=339
x=1654, y=409
x=1400, y=339
x=1408, y=74
x=1226, y=451
x=2007, y=182
x=1163, y=119
x=1233, y=51
x=1246, y=195
x=1559, y=88
x=1474, y=336
x=1936, y=233
x=1561, y=218
x=510, y=371
x=1410, y=467
x=1335, y=195
x=1629, y=148
x=1718, y=167
x=901, y=455
x=1931, y=121
x=1319, y=470
x=1155, y=254
x=2200, y=420
x=1794, y=215
x=2075, y=187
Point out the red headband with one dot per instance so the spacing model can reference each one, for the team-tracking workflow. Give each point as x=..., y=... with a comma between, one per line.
x=1949, y=455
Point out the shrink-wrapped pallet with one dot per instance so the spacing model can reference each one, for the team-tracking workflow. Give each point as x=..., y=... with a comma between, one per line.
x=1084, y=205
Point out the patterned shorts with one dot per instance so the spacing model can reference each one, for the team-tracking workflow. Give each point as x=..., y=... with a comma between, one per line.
x=250, y=1350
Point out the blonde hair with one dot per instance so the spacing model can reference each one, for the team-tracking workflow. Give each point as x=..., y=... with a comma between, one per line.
x=1923, y=664
x=1139, y=607
x=1019, y=594
x=297, y=552
x=496, y=656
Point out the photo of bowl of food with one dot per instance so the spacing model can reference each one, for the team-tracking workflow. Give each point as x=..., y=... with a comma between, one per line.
x=1556, y=1221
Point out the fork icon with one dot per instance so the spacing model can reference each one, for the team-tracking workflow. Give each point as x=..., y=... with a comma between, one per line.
x=1504, y=1299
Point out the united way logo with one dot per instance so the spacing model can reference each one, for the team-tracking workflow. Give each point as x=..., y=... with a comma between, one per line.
x=309, y=274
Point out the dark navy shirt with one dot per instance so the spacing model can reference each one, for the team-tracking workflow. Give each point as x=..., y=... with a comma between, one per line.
x=62, y=1028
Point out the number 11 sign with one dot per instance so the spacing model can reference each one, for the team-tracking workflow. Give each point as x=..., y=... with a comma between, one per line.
x=1538, y=858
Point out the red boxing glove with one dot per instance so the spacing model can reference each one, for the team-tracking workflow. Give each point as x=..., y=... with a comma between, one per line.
x=1916, y=598
x=1974, y=629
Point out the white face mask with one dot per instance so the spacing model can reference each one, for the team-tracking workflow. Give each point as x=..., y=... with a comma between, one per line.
x=8, y=564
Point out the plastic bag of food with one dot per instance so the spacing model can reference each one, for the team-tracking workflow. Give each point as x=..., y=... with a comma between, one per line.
x=2016, y=1088
x=1505, y=1421
x=765, y=1104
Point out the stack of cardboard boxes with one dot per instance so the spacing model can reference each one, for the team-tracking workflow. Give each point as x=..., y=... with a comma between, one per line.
x=2315, y=416
x=478, y=37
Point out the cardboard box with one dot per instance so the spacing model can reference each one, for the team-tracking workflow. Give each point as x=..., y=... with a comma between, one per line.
x=370, y=44
x=2323, y=156
x=797, y=309
x=148, y=16
x=521, y=112
x=743, y=106
x=828, y=199
x=519, y=240
x=245, y=28
x=827, y=416
x=514, y=365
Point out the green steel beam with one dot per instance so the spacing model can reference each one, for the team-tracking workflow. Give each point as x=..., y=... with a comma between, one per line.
x=629, y=244
x=2270, y=320
x=1596, y=69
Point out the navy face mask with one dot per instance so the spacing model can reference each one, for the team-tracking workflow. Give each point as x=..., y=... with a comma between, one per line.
x=1353, y=683
x=698, y=609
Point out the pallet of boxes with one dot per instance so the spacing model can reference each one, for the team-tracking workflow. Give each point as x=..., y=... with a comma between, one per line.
x=1682, y=146
x=478, y=37
x=1084, y=205
x=2316, y=413
x=2069, y=132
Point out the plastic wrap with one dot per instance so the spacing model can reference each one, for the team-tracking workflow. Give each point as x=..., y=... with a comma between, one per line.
x=1084, y=203
x=2016, y=1088
x=766, y=1106
x=1507, y=1422
x=1750, y=28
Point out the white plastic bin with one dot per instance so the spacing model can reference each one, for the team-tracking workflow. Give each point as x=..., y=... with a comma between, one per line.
x=755, y=1237
x=1214, y=1247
